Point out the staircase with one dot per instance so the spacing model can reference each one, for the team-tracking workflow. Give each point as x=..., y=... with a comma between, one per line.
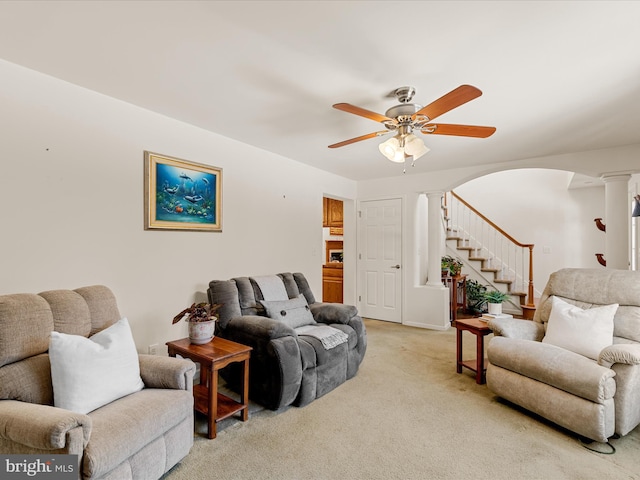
x=493, y=257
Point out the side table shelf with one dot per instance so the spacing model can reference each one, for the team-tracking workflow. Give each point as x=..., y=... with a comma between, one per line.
x=213, y=356
x=480, y=329
x=226, y=406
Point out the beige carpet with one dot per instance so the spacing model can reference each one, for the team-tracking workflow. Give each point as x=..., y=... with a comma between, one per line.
x=406, y=415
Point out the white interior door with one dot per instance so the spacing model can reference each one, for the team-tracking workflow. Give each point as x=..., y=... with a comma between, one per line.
x=380, y=259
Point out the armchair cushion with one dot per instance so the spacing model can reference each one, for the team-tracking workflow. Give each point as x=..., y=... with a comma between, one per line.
x=294, y=312
x=28, y=380
x=585, y=332
x=88, y=373
x=554, y=366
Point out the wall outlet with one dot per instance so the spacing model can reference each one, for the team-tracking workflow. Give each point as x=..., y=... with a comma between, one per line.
x=153, y=349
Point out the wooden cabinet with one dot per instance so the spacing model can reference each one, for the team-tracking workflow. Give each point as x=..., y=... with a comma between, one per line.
x=332, y=212
x=332, y=283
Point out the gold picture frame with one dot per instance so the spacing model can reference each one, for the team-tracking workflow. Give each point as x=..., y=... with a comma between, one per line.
x=181, y=195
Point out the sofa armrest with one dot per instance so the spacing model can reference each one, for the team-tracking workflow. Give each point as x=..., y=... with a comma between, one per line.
x=259, y=328
x=517, y=328
x=276, y=363
x=166, y=372
x=626, y=353
x=41, y=427
x=333, y=312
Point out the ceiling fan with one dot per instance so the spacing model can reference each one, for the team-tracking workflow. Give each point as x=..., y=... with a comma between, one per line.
x=406, y=118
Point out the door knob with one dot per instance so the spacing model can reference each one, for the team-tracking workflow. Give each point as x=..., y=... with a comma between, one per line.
x=395, y=266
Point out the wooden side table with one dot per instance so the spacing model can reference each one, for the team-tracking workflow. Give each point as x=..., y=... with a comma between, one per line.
x=480, y=329
x=213, y=356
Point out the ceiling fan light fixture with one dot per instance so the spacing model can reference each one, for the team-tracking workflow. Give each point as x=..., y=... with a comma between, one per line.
x=399, y=148
x=407, y=117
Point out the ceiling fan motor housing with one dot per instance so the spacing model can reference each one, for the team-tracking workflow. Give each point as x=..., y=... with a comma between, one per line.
x=403, y=110
x=404, y=94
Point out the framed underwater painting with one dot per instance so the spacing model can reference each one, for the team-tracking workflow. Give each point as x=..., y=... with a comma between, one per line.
x=181, y=195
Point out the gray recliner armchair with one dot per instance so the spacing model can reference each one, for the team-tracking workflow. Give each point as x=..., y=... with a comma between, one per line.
x=595, y=397
x=288, y=366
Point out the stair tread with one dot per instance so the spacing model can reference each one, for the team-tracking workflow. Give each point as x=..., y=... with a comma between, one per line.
x=489, y=269
x=503, y=280
x=481, y=259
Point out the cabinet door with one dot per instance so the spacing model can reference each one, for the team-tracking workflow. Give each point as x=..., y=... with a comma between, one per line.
x=332, y=285
x=325, y=212
x=335, y=213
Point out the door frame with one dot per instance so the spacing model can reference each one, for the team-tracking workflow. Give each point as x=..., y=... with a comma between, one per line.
x=403, y=253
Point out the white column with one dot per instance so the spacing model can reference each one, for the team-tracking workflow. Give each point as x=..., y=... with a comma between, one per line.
x=617, y=220
x=435, y=246
x=428, y=304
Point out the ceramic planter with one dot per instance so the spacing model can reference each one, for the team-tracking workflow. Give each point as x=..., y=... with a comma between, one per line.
x=494, y=308
x=201, y=332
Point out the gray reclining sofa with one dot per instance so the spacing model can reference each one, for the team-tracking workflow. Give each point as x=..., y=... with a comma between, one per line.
x=287, y=367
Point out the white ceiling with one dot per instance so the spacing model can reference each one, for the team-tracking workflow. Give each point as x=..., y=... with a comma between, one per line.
x=557, y=76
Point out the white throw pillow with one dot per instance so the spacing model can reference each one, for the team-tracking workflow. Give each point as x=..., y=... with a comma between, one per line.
x=585, y=332
x=88, y=373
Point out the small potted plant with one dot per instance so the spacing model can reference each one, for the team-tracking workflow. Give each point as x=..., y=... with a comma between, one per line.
x=494, y=299
x=453, y=265
x=444, y=266
x=475, y=297
x=201, y=319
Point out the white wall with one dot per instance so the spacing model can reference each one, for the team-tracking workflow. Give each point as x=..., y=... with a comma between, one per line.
x=535, y=206
x=71, y=191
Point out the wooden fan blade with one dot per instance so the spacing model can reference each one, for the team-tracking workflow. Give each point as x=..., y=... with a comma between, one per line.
x=347, y=107
x=358, y=139
x=458, y=130
x=451, y=100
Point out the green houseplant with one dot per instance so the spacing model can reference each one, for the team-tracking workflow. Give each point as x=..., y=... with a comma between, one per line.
x=475, y=297
x=453, y=265
x=201, y=318
x=494, y=299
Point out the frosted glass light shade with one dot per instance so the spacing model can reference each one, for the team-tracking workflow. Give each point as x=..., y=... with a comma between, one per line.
x=392, y=150
x=414, y=146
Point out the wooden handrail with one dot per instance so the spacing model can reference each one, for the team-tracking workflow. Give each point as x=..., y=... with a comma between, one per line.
x=505, y=234
x=530, y=289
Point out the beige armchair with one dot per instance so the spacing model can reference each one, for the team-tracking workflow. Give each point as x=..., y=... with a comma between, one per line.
x=140, y=435
x=593, y=397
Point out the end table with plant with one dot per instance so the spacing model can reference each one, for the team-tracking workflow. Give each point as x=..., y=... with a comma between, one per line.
x=201, y=318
